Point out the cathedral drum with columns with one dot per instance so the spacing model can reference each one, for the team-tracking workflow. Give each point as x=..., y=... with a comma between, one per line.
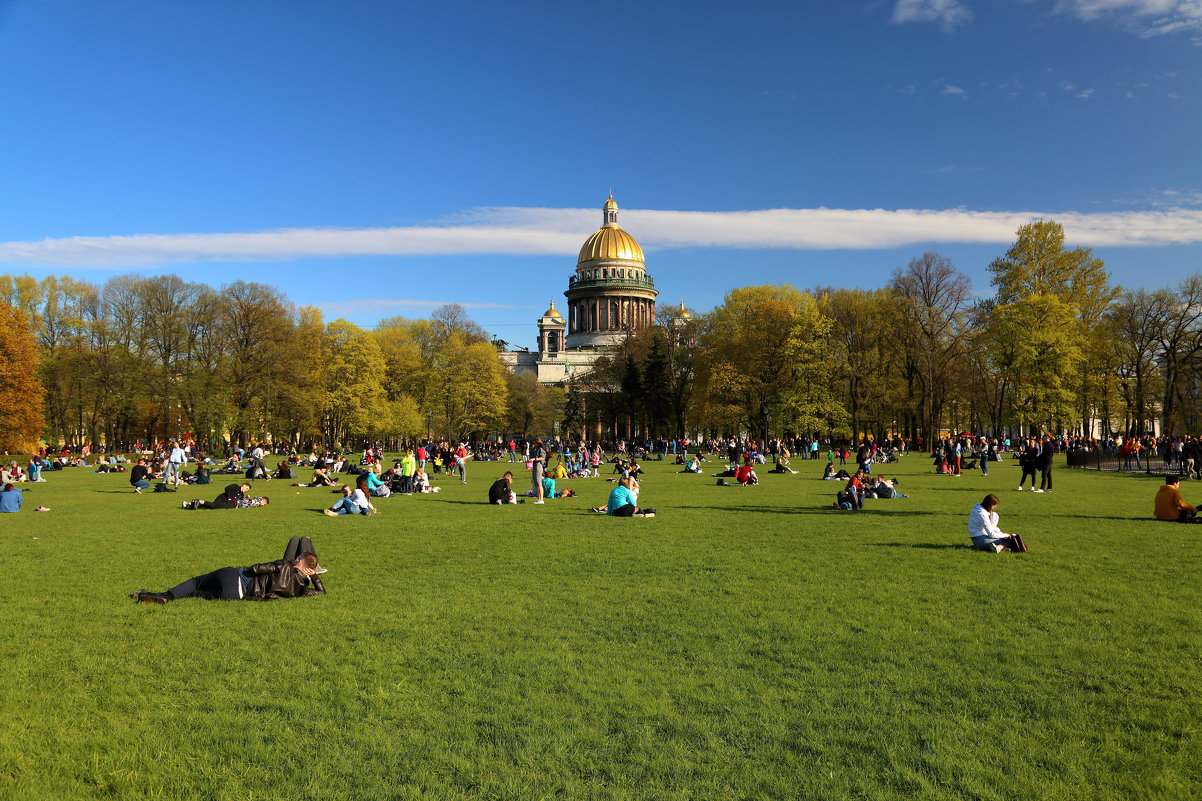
x=611, y=292
x=609, y=295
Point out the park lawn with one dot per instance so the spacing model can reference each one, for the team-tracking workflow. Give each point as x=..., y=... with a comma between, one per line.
x=745, y=643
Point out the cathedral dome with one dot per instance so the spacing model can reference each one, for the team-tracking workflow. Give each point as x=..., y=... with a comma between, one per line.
x=553, y=312
x=610, y=242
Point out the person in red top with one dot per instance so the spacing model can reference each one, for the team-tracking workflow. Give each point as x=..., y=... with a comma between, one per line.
x=461, y=462
x=854, y=491
x=746, y=475
x=421, y=457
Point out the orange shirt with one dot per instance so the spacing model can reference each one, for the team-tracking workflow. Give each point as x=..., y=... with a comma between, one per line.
x=1169, y=503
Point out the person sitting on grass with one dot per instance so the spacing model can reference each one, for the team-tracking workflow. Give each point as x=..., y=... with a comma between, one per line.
x=140, y=475
x=691, y=465
x=501, y=492
x=1170, y=506
x=746, y=475
x=782, y=464
x=11, y=499
x=375, y=486
x=622, y=502
x=320, y=479
x=353, y=502
x=228, y=499
x=294, y=576
x=984, y=531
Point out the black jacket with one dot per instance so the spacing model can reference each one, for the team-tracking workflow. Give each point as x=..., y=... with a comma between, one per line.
x=279, y=579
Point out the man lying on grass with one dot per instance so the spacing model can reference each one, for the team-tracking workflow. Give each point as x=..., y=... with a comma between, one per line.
x=230, y=498
x=294, y=576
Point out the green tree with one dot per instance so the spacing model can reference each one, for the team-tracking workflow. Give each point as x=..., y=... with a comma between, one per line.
x=759, y=349
x=354, y=393
x=1049, y=298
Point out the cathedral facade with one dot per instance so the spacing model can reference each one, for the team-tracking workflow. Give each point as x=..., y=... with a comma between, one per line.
x=609, y=295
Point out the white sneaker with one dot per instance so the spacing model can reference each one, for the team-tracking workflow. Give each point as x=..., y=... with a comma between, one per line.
x=537, y=502
x=1020, y=487
x=1035, y=490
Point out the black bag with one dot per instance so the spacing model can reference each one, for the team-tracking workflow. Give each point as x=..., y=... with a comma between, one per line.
x=162, y=487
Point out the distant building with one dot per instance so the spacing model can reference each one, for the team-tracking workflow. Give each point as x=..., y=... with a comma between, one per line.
x=609, y=295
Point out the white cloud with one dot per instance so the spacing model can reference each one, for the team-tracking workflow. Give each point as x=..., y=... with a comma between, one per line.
x=950, y=14
x=1146, y=18
x=364, y=306
x=1087, y=94
x=559, y=232
x=954, y=90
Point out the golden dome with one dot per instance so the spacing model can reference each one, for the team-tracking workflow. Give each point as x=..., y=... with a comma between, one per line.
x=551, y=312
x=684, y=313
x=610, y=243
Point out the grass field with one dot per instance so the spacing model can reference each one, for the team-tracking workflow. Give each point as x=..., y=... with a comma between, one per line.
x=745, y=643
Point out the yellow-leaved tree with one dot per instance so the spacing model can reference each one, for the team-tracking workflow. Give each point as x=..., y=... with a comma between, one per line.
x=21, y=416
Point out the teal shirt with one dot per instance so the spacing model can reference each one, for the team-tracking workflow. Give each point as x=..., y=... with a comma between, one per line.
x=620, y=497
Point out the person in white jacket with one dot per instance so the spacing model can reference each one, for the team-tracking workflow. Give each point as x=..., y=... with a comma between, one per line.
x=985, y=533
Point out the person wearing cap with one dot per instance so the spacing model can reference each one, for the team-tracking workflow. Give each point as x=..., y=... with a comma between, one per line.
x=294, y=576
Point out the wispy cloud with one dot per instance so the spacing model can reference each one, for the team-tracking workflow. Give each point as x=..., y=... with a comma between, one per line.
x=1145, y=18
x=955, y=91
x=546, y=231
x=1087, y=94
x=949, y=14
x=362, y=306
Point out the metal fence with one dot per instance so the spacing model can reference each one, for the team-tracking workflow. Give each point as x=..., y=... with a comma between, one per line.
x=1146, y=463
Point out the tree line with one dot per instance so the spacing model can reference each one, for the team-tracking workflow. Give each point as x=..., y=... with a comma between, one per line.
x=1053, y=347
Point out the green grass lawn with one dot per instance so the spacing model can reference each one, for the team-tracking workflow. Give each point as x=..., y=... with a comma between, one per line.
x=744, y=643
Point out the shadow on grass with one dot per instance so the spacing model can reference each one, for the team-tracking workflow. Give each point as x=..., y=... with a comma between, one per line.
x=928, y=545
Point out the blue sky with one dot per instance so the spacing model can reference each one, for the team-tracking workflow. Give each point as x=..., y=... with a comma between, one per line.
x=379, y=158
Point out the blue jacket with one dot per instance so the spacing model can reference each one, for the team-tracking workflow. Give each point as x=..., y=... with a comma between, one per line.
x=618, y=498
x=11, y=501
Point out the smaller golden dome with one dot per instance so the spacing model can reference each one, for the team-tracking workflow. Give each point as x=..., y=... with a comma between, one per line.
x=684, y=312
x=611, y=203
x=552, y=313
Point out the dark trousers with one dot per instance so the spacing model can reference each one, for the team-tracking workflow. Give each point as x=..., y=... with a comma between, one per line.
x=222, y=502
x=1028, y=471
x=625, y=511
x=1045, y=479
x=224, y=584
